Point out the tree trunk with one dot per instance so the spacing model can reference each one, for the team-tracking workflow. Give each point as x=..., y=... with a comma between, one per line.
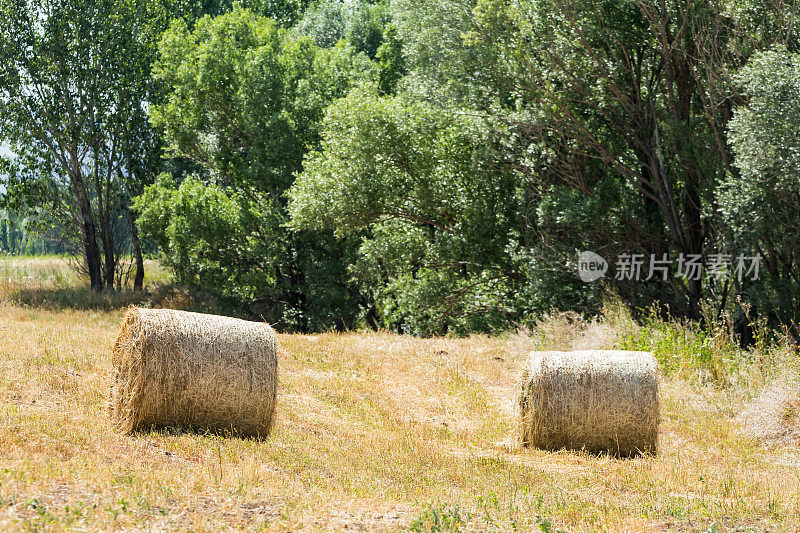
x=695, y=237
x=106, y=234
x=91, y=252
x=692, y=212
x=108, y=249
x=138, y=278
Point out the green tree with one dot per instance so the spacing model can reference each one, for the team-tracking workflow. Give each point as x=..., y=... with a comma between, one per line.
x=246, y=100
x=360, y=23
x=325, y=22
x=442, y=66
x=74, y=77
x=391, y=62
x=440, y=211
x=761, y=201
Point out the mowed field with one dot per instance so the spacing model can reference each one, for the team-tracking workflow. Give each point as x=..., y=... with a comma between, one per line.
x=374, y=431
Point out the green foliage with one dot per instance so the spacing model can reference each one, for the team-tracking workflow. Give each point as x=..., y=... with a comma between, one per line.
x=188, y=222
x=616, y=159
x=616, y=131
x=246, y=99
x=218, y=240
x=367, y=27
x=761, y=202
x=361, y=24
x=246, y=102
x=444, y=66
x=16, y=237
x=284, y=12
x=440, y=210
x=391, y=62
x=325, y=22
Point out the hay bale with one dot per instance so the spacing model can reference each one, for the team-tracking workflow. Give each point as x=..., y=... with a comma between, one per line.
x=593, y=400
x=181, y=369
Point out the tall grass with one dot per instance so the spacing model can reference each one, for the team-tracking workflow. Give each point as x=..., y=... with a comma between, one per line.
x=54, y=282
x=709, y=351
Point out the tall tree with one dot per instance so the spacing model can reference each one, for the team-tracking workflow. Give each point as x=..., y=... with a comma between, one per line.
x=761, y=202
x=245, y=102
x=74, y=78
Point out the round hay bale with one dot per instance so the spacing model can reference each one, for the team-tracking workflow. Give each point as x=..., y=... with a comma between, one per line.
x=593, y=400
x=180, y=369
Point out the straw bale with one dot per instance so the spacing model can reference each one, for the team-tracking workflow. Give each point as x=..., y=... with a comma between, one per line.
x=205, y=372
x=593, y=400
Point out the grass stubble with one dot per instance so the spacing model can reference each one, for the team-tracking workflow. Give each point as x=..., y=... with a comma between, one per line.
x=375, y=431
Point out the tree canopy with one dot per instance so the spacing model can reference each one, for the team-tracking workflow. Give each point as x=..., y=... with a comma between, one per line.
x=420, y=165
x=245, y=103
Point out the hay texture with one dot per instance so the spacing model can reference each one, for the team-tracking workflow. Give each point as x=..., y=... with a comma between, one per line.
x=593, y=400
x=191, y=370
x=775, y=413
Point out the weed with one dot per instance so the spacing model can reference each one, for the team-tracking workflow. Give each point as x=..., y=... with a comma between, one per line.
x=436, y=518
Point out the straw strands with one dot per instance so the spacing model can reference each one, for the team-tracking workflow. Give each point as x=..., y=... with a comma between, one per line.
x=180, y=369
x=592, y=400
x=775, y=413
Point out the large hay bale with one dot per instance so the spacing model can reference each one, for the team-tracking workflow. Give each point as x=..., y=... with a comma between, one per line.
x=181, y=369
x=593, y=400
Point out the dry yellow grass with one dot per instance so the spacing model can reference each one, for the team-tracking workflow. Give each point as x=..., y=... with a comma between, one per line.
x=373, y=431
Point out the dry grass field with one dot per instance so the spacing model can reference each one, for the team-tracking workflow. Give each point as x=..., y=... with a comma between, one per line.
x=374, y=431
